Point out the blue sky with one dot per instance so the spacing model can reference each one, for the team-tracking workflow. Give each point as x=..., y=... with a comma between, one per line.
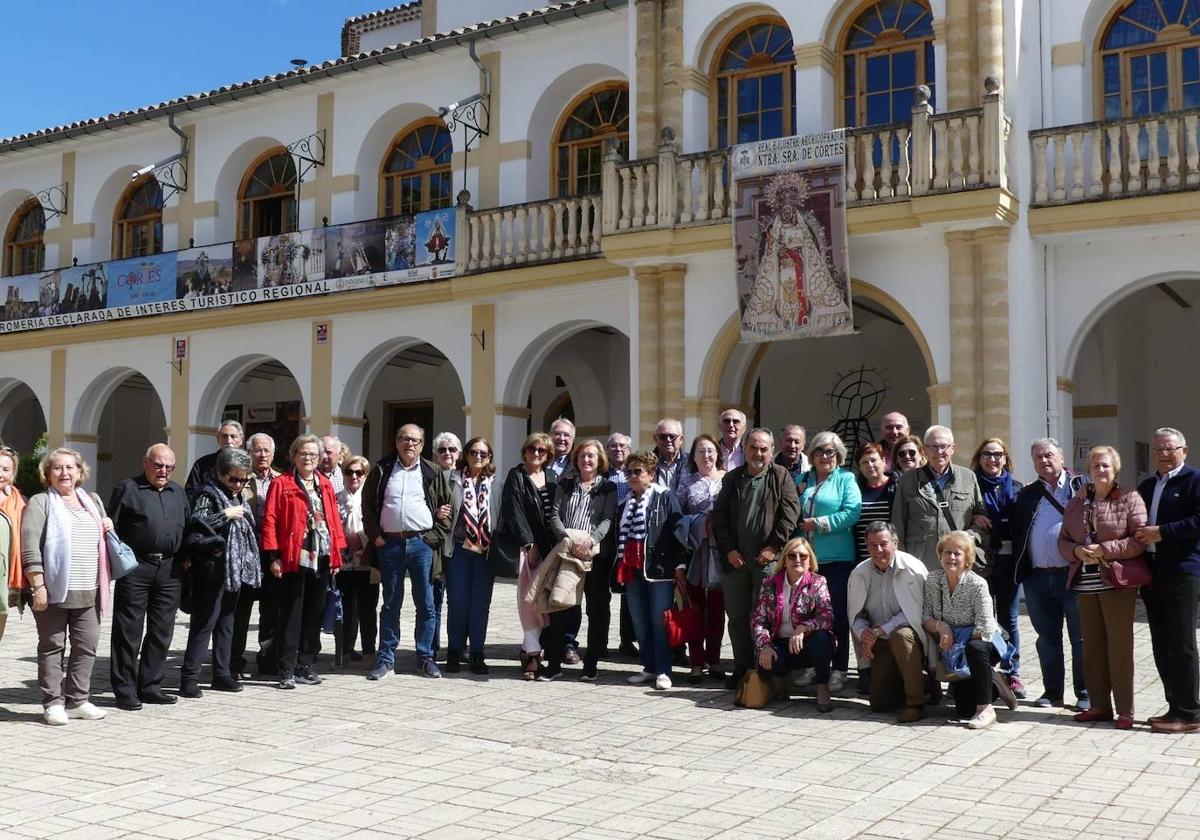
x=66, y=60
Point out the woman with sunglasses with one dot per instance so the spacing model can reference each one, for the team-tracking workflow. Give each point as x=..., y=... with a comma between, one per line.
x=448, y=454
x=474, y=512
x=991, y=463
x=907, y=455
x=220, y=539
x=526, y=505
x=356, y=580
x=830, y=505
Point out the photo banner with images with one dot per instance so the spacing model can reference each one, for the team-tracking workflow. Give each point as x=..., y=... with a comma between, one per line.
x=789, y=237
x=337, y=258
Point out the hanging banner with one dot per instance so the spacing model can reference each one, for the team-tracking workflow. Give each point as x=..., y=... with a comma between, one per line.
x=337, y=258
x=789, y=237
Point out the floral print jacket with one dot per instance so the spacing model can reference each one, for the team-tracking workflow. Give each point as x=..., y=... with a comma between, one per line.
x=811, y=607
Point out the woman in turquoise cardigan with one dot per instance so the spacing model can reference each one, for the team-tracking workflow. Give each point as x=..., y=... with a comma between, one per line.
x=830, y=504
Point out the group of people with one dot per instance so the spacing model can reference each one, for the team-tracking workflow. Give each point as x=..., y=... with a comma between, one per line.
x=804, y=554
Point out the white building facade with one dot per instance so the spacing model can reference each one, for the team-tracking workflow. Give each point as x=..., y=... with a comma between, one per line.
x=1022, y=241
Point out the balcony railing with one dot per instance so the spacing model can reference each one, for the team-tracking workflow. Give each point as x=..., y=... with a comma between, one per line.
x=1116, y=158
x=666, y=191
x=523, y=234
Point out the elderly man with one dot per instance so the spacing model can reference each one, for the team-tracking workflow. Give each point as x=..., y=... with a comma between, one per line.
x=1037, y=517
x=791, y=450
x=938, y=498
x=668, y=446
x=733, y=426
x=331, y=462
x=885, y=597
x=617, y=448
x=562, y=434
x=229, y=433
x=754, y=515
x=400, y=497
x=892, y=427
x=149, y=513
x=1172, y=537
x=262, y=473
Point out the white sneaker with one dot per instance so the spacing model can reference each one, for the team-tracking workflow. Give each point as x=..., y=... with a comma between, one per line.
x=55, y=716
x=983, y=720
x=837, y=681
x=640, y=678
x=86, y=711
x=805, y=677
x=662, y=682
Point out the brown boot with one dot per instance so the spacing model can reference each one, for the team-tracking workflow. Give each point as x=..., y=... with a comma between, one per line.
x=910, y=714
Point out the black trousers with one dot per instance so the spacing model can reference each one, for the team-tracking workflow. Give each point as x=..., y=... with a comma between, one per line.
x=628, y=636
x=267, y=598
x=213, y=611
x=554, y=634
x=360, y=609
x=146, y=598
x=978, y=689
x=301, y=608
x=598, y=601
x=1171, y=613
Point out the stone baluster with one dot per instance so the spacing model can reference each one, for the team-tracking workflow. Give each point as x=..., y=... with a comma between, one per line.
x=941, y=142
x=851, y=167
x=1060, y=167
x=1041, y=192
x=626, y=199
x=702, y=197
x=1191, y=140
x=485, y=253
x=868, y=167
x=597, y=210
x=1077, y=188
x=507, y=230
x=1095, y=185
x=526, y=244
x=1133, y=133
x=473, y=240
x=956, y=178
x=885, y=172
x=903, y=180
x=973, y=150
x=639, y=196
x=652, y=195
x=685, y=175
x=922, y=143
x=558, y=227
x=719, y=209
x=610, y=185
x=1116, y=183
x=546, y=212
x=1172, y=124
x=572, y=228
x=668, y=175
x=1153, y=178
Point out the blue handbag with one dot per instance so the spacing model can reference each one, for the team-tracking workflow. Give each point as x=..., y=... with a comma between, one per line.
x=954, y=661
x=121, y=559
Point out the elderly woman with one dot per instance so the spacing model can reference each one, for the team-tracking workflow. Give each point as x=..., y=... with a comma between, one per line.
x=908, y=454
x=649, y=558
x=12, y=505
x=698, y=491
x=830, y=506
x=1098, y=528
x=302, y=540
x=958, y=610
x=475, y=512
x=526, y=505
x=793, y=619
x=992, y=463
x=66, y=563
x=220, y=538
x=356, y=580
x=585, y=505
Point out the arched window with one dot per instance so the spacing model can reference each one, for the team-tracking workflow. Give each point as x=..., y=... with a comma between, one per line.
x=24, y=252
x=593, y=118
x=416, y=174
x=267, y=199
x=887, y=52
x=755, y=71
x=1150, y=58
x=138, y=226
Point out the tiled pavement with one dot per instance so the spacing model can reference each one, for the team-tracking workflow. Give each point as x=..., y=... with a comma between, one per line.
x=474, y=757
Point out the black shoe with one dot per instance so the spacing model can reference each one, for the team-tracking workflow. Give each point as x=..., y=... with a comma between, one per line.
x=478, y=666
x=129, y=704
x=735, y=678
x=287, y=681
x=157, y=698
x=190, y=690
x=571, y=656
x=547, y=673
x=305, y=676
x=226, y=684
x=589, y=672
x=629, y=649
x=453, y=662
x=695, y=679
x=354, y=656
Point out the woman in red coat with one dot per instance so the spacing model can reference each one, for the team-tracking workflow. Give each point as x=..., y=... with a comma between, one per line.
x=303, y=541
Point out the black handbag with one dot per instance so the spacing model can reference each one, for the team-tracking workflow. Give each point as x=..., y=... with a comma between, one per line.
x=503, y=557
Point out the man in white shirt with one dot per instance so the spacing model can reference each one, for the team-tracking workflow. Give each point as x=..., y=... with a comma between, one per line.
x=562, y=433
x=733, y=426
x=400, y=497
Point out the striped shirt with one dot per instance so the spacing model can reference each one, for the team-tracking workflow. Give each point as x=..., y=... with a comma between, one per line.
x=85, y=551
x=876, y=507
x=577, y=509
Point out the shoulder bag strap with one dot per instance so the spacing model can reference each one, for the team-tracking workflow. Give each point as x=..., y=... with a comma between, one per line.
x=1050, y=497
x=941, y=500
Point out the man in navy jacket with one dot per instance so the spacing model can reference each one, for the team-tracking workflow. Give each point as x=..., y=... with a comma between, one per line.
x=1172, y=534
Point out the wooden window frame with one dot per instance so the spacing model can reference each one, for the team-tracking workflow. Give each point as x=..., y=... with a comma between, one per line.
x=12, y=247
x=717, y=77
x=1173, y=45
x=245, y=206
x=861, y=54
x=123, y=228
x=597, y=140
x=426, y=167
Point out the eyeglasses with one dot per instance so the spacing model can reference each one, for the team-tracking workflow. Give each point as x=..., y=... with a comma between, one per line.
x=733, y=421
x=636, y=471
x=992, y=456
x=308, y=456
x=798, y=555
x=1166, y=450
x=480, y=453
x=666, y=436
x=445, y=450
x=167, y=467
x=907, y=454
x=939, y=447
x=411, y=440
x=826, y=453
x=355, y=473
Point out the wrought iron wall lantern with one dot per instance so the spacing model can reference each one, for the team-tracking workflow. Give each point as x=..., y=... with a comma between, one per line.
x=172, y=172
x=471, y=114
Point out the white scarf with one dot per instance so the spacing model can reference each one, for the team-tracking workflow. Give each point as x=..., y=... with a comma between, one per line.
x=56, y=555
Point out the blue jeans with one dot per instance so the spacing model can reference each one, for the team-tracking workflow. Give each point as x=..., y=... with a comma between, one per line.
x=1006, y=592
x=439, y=598
x=1050, y=602
x=837, y=578
x=817, y=653
x=396, y=558
x=469, y=599
x=648, y=600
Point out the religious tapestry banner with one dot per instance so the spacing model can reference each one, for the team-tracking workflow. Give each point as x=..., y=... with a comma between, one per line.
x=789, y=237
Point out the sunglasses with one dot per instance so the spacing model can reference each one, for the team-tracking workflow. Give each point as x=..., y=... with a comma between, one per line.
x=667, y=437
x=538, y=450
x=444, y=450
x=233, y=479
x=356, y=473
x=636, y=471
x=992, y=456
x=158, y=466
x=906, y=454
x=480, y=453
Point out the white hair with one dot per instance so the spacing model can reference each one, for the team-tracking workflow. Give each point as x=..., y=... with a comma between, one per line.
x=1042, y=443
x=447, y=438
x=1167, y=431
x=932, y=430
x=618, y=436
x=264, y=436
x=563, y=421
x=822, y=439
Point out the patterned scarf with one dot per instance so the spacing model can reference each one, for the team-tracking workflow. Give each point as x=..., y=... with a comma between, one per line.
x=631, y=540
x=475, y=509
x=243, y=565
x=316, y=540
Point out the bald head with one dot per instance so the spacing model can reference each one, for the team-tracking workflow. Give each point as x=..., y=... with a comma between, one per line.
x=158, y=464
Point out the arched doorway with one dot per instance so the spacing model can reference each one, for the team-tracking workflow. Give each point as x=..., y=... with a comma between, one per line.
x=265, y=398
x=129, y=420
x=840, y=383
x=22, y=417
x=1127, y=373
